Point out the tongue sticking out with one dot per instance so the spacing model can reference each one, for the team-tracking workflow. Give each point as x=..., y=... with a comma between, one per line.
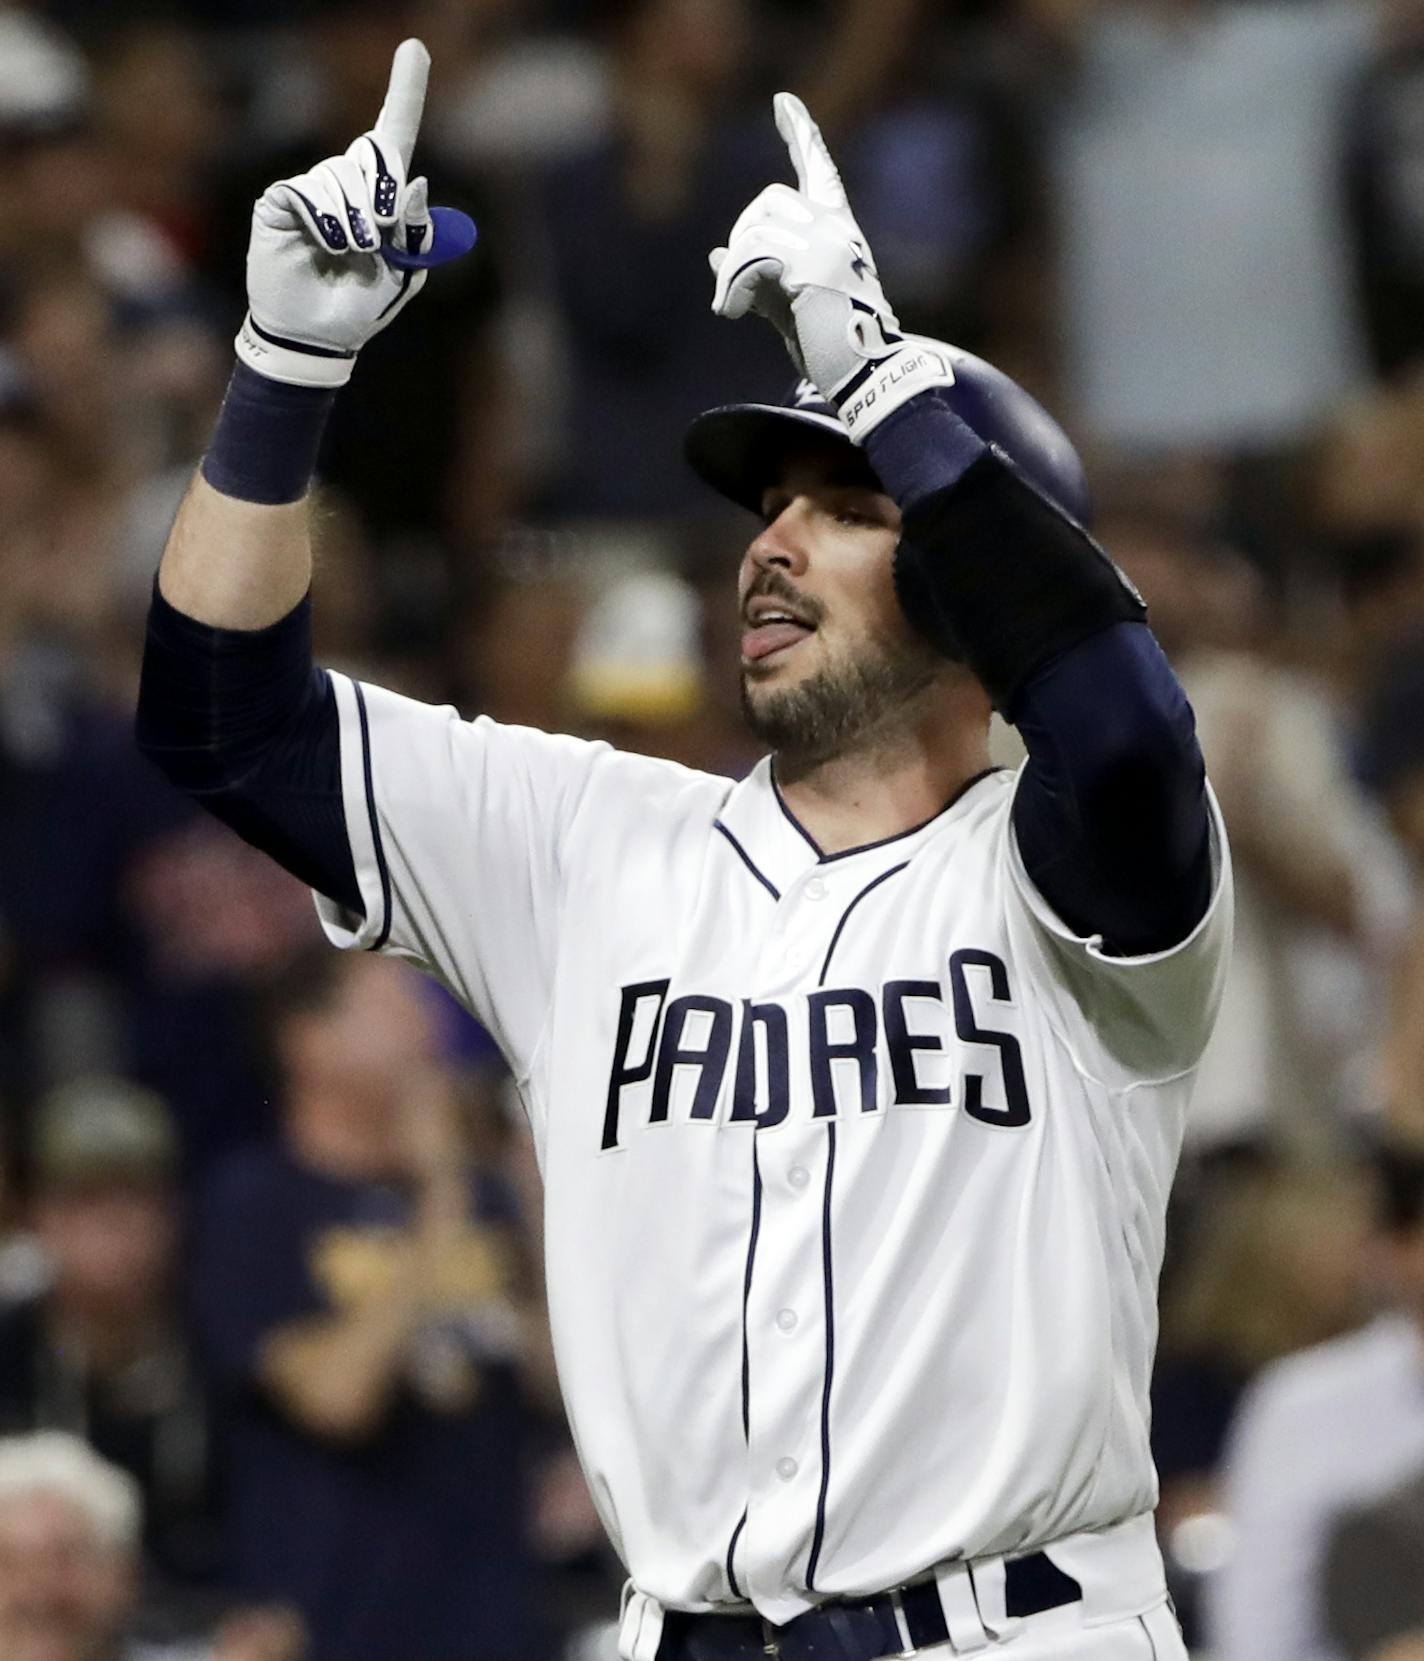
x=767, y=638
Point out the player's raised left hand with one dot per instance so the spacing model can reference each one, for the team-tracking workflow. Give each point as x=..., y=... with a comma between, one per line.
x=798, y=258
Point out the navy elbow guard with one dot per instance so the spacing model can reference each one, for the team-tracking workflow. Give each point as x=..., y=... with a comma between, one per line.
x=995, y=575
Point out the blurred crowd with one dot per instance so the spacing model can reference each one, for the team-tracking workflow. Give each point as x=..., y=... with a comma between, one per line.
x=274, y=1378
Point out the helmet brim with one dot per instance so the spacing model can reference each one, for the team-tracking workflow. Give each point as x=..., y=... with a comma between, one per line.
x=739, y=449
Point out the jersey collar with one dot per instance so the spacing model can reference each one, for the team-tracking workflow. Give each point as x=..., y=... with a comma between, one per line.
x=781, y=850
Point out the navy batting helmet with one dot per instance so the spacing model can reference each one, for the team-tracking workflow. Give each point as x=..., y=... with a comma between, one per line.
x=738, y=448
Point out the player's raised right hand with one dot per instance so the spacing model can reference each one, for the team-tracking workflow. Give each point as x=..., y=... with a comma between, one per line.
x=336, y=252
x=798, y=258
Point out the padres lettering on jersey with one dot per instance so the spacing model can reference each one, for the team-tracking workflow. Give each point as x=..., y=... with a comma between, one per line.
x=856, y=1167
x=689, y=1047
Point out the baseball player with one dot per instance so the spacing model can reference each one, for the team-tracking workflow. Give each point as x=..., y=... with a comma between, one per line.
x=857, y=1085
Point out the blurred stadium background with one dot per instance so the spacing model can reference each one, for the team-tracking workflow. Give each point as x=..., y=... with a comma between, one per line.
x=268, y=1229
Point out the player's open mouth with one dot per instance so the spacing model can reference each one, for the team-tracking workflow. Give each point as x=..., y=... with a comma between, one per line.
x=767, y=638
x=772, y=628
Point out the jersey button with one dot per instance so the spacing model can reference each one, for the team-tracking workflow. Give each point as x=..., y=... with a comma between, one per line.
x=816, y=889
x=798, y=1176
x=786, y=1319
x=797, y=956
x=786, y=1469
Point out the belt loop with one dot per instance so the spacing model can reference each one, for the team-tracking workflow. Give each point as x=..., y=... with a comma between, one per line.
x=961, y=1609
x=902, y=1626
x=987, y=1576
x=640, y=1630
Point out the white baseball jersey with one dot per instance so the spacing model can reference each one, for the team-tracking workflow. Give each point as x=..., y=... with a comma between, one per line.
x=856, y=1166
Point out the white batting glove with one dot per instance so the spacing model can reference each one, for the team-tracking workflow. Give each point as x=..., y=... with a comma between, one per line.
x=319, y=284
x=798, y=258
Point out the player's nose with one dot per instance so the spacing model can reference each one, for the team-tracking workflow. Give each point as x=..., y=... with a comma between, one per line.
x=781, y=542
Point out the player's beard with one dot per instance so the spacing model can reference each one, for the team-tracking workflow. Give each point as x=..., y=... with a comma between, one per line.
x=857, y=702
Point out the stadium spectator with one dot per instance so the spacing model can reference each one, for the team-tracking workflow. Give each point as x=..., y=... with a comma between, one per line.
x=1374, y=1574
x=1319, y=1433
x=1367, y=472
x=1392, y=762
x=62, y=204
x=359, y=1290
x=102, y=1352
x=44, y=82
x=66, y=333
x=1274, y=1261
x=1380, y=588
x=515, y=633
x=513, y=97
x=131, y=925
x=1276, y=1265
x=1206, y=295
x=628, y=221
x=1408, y=1648
x=941, y=158
x=1317, y=891
x=69, y=1531
x=23, y=1273
x=160, y=122
x=1386, y=178
x=76, y=804
x=637, y=676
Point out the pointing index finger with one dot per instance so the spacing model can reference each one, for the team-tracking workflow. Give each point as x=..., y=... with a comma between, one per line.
x=816, y=173
x=399, y=120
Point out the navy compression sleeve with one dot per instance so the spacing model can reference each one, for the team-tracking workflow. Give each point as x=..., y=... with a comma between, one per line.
x=243, y=722
x=1110, y=814
x=989, y=569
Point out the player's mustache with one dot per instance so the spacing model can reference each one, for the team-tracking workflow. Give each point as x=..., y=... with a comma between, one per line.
x=772, y=585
